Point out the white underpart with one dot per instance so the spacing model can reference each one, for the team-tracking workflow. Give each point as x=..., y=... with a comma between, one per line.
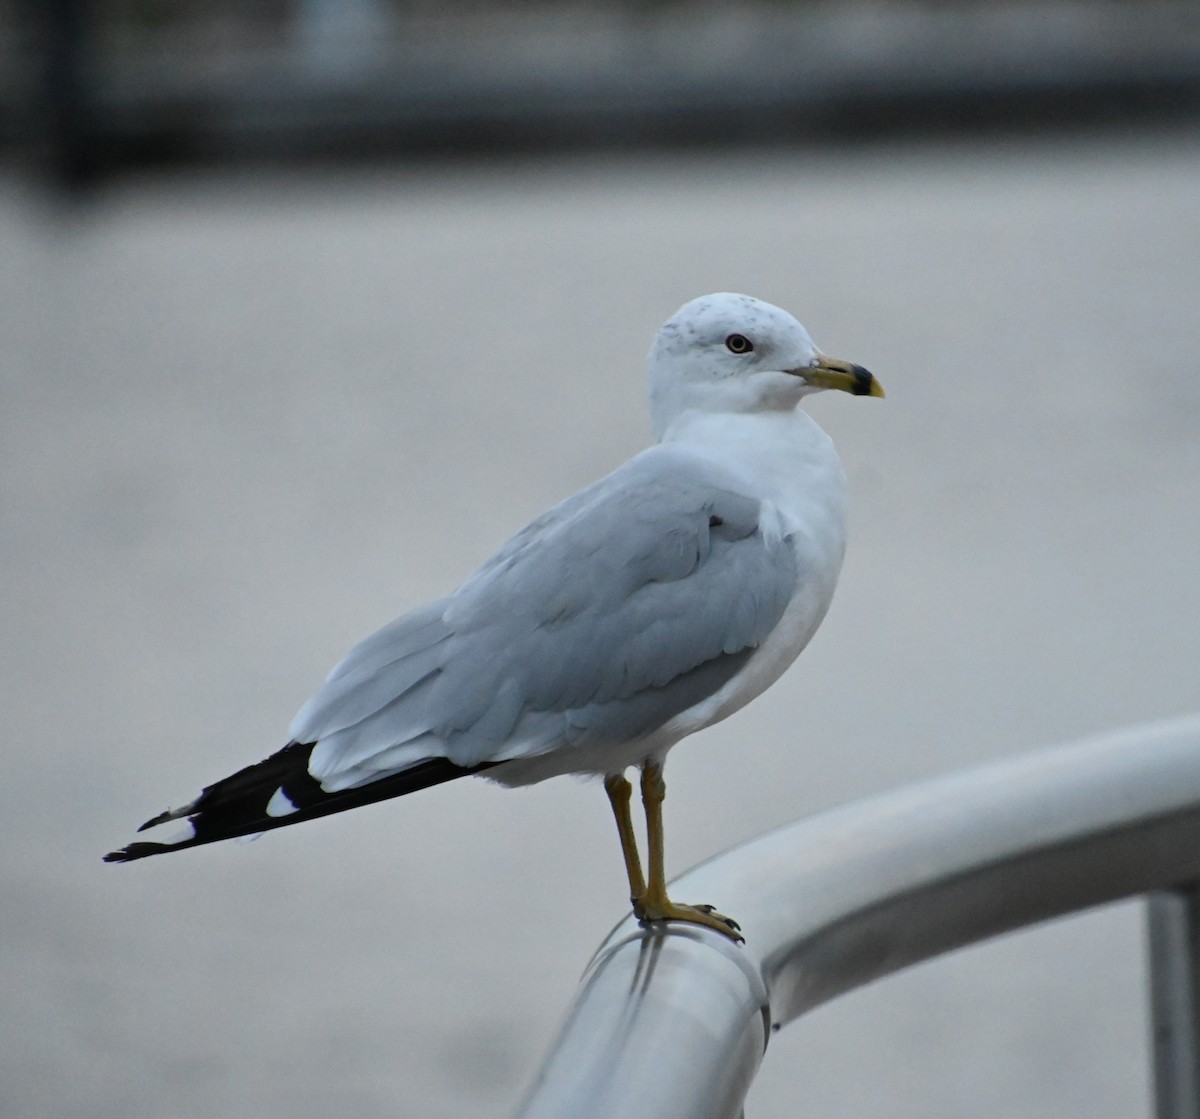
x=793, y=464
x=184, y=833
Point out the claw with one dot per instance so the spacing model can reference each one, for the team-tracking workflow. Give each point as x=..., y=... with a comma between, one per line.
x=704, y=915
x=711, y=910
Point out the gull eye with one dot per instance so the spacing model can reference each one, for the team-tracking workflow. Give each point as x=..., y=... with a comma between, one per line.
x=738, y=344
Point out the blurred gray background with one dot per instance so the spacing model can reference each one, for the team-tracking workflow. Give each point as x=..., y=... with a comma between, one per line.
x=268, y=382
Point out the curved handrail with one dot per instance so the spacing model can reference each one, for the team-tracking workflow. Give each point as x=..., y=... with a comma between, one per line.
x=673, y=1022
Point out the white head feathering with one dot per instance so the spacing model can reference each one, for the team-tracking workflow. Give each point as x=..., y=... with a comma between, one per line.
x=694, y=363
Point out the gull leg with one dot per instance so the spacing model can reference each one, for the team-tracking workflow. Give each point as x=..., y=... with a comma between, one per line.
x=654, y=905
x=619, y=793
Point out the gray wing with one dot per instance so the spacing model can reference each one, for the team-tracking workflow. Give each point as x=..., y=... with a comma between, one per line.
x=599, y=622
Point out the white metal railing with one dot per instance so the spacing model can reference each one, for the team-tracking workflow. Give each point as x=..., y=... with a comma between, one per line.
x=673, y=1022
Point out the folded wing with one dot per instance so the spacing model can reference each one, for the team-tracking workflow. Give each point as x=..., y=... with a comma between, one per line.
x=598, y=623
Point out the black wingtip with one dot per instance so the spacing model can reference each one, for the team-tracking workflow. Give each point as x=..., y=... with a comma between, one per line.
x=170, y=814
x=154, y=821
x=136, y=851
x=237, y=805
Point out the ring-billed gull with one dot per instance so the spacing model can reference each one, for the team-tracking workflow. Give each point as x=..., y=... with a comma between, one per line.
x=653, y=603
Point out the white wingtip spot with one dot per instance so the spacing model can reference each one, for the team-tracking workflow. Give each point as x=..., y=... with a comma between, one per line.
x=280, y=804
x=184, y=834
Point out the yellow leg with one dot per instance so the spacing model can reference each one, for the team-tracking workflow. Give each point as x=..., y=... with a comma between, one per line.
x=619, y=793
x=654, y=905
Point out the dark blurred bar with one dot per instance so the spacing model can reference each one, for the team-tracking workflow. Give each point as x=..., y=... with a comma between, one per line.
x=66, y=113
x=126, y=84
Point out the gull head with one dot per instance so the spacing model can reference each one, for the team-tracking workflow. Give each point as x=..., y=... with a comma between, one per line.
x=735, y=353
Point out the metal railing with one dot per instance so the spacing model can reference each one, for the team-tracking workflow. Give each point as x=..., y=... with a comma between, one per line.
x=673, y=1022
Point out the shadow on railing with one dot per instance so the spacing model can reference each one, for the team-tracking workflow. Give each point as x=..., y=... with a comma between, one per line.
x=673, y=1022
